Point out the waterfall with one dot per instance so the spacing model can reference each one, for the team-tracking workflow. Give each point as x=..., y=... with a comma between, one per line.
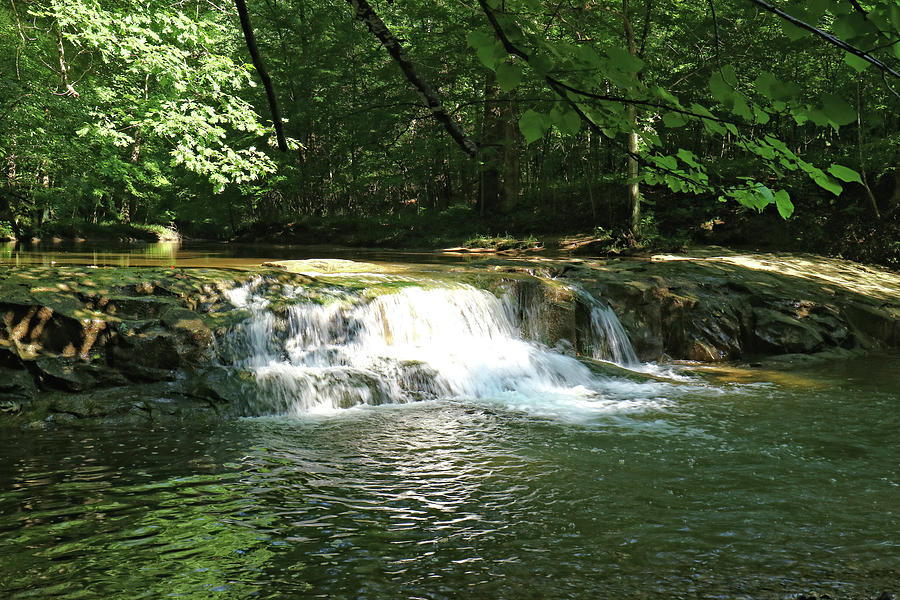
x=338, y=349
x=609, y=340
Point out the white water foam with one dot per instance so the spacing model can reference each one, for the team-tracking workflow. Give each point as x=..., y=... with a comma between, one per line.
x=452, y=341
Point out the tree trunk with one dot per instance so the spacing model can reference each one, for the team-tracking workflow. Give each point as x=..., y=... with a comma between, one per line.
x=590, y=172
x=634, y=190
x=489, y=187
x=67, y=89
x=131, y=206
x=511, y=155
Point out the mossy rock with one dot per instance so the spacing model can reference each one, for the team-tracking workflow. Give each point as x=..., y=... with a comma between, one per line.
x=329, y=265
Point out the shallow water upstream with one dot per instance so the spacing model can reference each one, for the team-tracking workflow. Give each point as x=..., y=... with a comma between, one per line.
x=195, y=254
x=782, y=484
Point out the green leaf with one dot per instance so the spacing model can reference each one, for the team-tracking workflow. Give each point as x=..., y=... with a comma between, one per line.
x=721, y=91
x=624, y=60
x=541, y=63
x=688, y=158
x=491, y=55
x=858, y=64
x=480, y=39
x=793, y=32
x=566, y=120
x=815, y=10
x=666, y=95
x=589, y=56
x=741, y=108
x=895, y=15
x=845, y=173
x=714, y=127
x=766, y=84
x=783, y=204
x=827, y=183
x=533, y=126
x=852, y=25
x=818, y=117
x=838, y=110
x=667, y=162
x=729, y=75
x=508, y=76
x=765, y=193
x=673, y=119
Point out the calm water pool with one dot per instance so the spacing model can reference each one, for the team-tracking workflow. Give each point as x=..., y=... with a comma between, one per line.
x=730, y=485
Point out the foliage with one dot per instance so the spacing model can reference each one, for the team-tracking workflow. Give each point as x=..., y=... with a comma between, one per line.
x=148, y=113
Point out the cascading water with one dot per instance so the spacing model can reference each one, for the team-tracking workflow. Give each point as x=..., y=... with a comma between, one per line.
x=339, y=349
x=609, y=340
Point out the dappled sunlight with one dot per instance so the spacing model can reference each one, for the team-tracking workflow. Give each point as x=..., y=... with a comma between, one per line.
x=843, y=274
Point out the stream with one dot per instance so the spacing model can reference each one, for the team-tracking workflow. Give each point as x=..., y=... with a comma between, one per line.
x=418, y=445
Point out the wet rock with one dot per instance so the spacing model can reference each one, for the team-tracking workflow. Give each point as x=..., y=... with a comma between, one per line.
x=137, y=309
x=153, y=350
x=547, y=311
x=153, y=402
x=774, y=331
x=61, y=373
x=221, y=386
x=90, y=332
x=10, y=407
x=727, y=306
x=881, y=323
x=81, y=331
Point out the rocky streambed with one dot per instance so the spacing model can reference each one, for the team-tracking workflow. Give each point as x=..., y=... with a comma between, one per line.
x=82, y=343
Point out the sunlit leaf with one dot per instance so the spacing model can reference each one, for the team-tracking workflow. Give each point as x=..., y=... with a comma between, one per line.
x=845, y=173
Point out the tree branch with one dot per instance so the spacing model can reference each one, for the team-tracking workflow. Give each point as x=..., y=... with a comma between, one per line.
x=365, y=13
x=826, y=36
x=646, y=30
x=560, y=89
x=263, y=73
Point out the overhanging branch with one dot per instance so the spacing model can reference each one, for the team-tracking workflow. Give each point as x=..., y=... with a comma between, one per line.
x=365, y=13
x=263, y=73
x=827, y=37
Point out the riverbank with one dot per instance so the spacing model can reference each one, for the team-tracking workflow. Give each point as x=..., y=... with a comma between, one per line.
x=678, y=229
x=63, y=232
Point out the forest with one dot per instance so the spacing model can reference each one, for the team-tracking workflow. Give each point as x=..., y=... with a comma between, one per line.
x=634, y=123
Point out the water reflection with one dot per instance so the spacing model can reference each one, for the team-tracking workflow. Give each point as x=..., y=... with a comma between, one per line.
x=101, y=524
x=119, y=255
x=191, y=254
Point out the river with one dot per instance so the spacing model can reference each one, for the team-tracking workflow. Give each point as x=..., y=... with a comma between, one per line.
x=718, y=482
